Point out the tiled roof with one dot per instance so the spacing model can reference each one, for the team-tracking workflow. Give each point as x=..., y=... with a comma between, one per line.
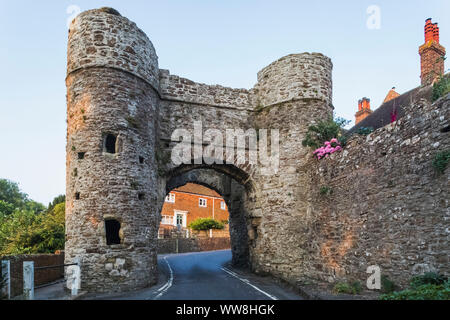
x=382, y=116
x=198, y=189
x=392, y=94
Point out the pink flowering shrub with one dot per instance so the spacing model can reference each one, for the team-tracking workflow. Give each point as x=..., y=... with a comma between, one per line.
x=329, y=147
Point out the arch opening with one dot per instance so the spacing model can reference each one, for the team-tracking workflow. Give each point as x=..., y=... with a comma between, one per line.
x=232, y=187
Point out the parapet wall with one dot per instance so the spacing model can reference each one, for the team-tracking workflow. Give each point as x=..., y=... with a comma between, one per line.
x=184, y=90
x=388, y=206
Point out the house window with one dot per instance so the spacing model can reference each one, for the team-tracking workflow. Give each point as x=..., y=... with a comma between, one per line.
x=167, y=220
x=179, y=219
x=202, y=202
x=112, y=228
x=110, y=143
x=170, y=198
x=222, y=205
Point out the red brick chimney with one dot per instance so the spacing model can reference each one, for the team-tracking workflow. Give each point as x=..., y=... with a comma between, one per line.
x=431, y=55
x=363, y=110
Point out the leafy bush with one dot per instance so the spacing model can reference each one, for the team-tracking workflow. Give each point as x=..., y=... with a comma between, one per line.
x=427, y=278
x=429, y=286
x=206, y=224
x=364, y=131
x=441, y=160
x=423, y=292
x=441, y=88
x=324, y=131
x=348, y=288
x=387, y=286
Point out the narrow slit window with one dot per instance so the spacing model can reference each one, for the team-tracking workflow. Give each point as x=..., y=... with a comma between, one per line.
x=77, y=196
x=112, y=228
x=110, y=143
x=141, y=160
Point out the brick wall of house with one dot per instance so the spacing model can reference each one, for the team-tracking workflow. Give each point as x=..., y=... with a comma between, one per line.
x=187, y=199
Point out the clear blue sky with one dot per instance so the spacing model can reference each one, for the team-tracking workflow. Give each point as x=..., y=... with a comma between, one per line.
x=216, y=42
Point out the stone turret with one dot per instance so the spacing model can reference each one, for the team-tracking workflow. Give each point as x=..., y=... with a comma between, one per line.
x=112, y=111
x=292, y=93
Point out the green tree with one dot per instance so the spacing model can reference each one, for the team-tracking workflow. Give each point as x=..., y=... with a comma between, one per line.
x=10, y=193
x=26, y=226
x=16, y=231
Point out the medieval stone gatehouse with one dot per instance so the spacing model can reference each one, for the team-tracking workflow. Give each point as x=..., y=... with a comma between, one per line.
x=122, y=110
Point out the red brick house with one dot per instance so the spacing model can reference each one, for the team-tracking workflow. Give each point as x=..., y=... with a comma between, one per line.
x=185, y=204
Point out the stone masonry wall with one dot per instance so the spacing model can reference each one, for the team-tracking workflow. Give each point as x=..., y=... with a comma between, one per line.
x=388, y=206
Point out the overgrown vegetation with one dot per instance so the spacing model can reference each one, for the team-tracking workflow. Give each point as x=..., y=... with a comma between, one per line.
x=441, y=88
x=387, y=286
x=353, y=287
x=430, y=286
x=364, y=131
x=323, y=131
x=27, y=226
x=206, y=224
x=441, y=161
x=325, y=190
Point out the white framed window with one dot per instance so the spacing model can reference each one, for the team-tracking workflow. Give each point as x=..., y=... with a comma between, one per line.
x=202, y=202
x=223, y=205
x=170, y=198
x=167, y=220
x=179, y=218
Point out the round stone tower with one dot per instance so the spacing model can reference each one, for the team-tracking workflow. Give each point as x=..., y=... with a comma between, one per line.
x=112, y=116
x=291, y=94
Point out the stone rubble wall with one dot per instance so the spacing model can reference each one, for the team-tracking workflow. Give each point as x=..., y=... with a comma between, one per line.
x=388, y=206
x=184, y=90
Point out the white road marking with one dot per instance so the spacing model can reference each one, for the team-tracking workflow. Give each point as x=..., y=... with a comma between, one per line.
x=248, y=283
x=168, y=284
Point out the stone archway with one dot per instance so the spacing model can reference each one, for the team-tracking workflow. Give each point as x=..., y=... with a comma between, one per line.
x=233, y=185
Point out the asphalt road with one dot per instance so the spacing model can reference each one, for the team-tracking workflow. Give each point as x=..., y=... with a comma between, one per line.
x=206, y=276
